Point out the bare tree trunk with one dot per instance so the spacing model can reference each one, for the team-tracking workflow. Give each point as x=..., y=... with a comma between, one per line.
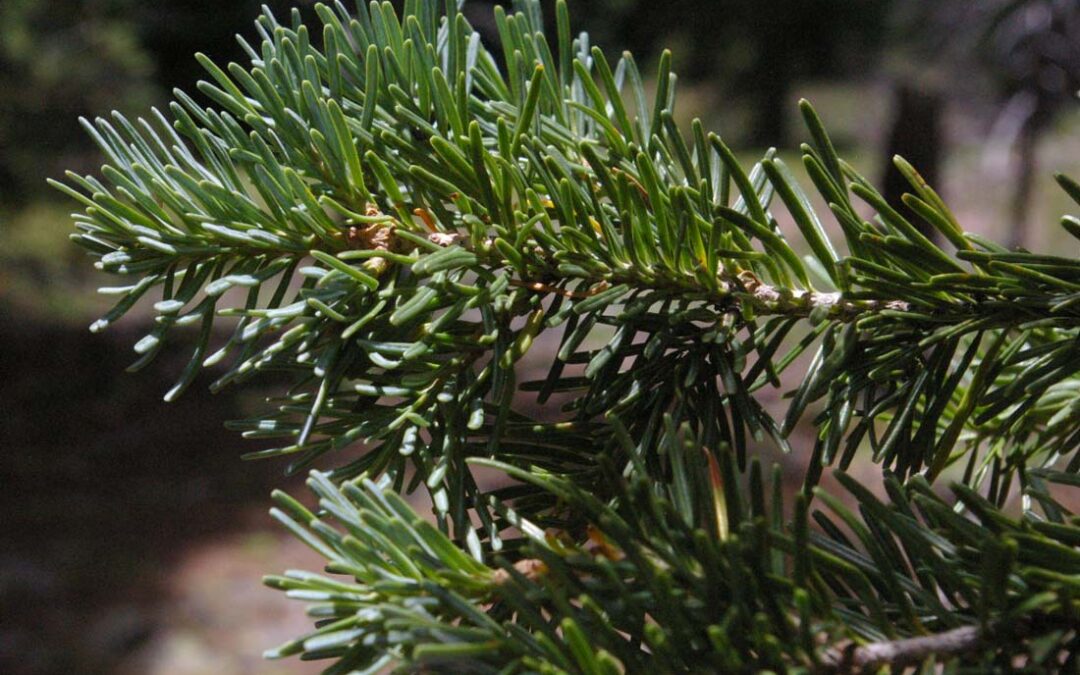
x=770, y=111
x=1024, y=179
x=915, y=136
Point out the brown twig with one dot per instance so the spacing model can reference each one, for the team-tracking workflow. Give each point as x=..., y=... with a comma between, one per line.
x=900, y=653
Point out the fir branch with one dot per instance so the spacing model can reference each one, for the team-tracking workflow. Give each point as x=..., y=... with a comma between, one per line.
x=396, y=217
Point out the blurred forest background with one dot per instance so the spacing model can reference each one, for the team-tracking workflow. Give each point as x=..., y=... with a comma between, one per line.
x=133, y=538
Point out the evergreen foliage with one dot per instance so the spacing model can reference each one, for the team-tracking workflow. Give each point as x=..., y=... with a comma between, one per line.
x=395, y=217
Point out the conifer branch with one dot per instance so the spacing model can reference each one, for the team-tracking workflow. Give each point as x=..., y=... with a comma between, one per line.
x=395, y=216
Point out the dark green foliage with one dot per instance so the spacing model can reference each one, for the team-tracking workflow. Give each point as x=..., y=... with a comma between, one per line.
x=652, y=592
x=405, y=220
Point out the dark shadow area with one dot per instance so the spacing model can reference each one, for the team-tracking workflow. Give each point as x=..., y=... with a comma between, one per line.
x=105, y=485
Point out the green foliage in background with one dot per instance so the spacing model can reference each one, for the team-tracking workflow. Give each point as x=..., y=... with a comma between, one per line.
x=58, y=59
x=392, y=219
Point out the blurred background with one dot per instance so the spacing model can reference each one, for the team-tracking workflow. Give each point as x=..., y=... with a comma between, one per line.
x=133, y=538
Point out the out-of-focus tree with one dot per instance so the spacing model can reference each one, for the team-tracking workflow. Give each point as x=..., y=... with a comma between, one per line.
x=916, y=35
x=756, y=50
x=58, y=60
x=62, y=59
x=1032, y=47
x=760, y=49
x=172, y=31
x=1025, y=52
x=916, y=135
